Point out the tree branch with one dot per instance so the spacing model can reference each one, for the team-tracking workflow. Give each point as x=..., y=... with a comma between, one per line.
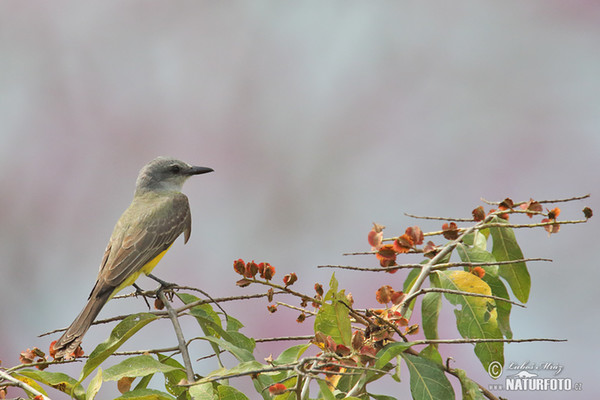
x=180, y=339
x=22, y=385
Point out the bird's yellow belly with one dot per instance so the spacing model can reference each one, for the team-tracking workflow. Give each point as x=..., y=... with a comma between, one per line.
x=146, y=269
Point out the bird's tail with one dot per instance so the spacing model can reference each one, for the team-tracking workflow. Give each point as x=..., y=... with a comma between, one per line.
x=73, y=336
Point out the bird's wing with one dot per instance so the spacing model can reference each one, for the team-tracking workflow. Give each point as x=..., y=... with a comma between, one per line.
x=139, y=240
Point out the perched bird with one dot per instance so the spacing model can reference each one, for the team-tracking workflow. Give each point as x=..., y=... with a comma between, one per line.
x=158, y=214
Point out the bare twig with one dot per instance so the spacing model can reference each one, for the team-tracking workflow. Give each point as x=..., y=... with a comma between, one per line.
x=541, y=201
x=437, y=266
x=507, y=225
x=440, y=218
x=283, y=338
x=164, y=314
x=180, y=339
x=296, y=308
x=473, y=341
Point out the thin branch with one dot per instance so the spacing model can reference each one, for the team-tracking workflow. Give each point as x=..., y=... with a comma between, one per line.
x=506, y=225
x=472, y=341
x=296, y=308
x=164, y=314
x=440, y=218
x=459, y=292
x=180, y=339
x=23, y=385
x=437, y=266
x=541, y=201
x=283, y=338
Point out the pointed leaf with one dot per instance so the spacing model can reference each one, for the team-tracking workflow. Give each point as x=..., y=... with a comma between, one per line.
x=57, y=380
x=119, y=335
x=291, y=354
x=173, y=378
x=477, y=317
x=204, y=391
x=145, y=394
x=30, y=382
x=333, y=316
x=427, y=379
x=506, y=248
x=326, y=392
x=94, y=386
x=431, y=352
x=477, y=255
x=504, y=308
x=470, y=390
x=240, y=353
x=136, y=366
x=390, y=352
x=431, y=305
x=230, y=393
x=210, y=323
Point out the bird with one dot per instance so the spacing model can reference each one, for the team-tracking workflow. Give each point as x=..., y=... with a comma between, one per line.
x=158, y=214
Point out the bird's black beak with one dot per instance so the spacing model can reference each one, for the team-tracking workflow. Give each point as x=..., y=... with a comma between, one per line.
x=199, y=170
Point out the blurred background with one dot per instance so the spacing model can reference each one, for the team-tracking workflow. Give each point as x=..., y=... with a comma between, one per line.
x=318, y=118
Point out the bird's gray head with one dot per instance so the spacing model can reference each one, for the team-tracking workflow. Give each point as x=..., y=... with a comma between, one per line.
x=166, y=174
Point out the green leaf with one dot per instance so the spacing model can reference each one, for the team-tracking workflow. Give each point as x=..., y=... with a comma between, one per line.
x=504, y=308
x=381, y=397
x=477, y=255
x=143, y=383
x=431, y=352
x=204, y=391
x=119, y=335
x=389, y=352
x=230, y=393
x=477, y=317
x=506, y=248
x=243, y=367
x=30, y=382
x=326, y=393
x=333, y=317
x=145, y=394
x=210, y=323
x=136, y=366
x=94, y=386
x=233, y=325
x=291, y=354
x=470, y=390
x=427, y=379
x=57, y=380
x=411, y=277
x=240, y=353
x=476, y=239
x=173, y=378
x=430, y=306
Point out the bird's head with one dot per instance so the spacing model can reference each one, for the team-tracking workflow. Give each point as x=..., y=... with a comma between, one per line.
x=166, y=174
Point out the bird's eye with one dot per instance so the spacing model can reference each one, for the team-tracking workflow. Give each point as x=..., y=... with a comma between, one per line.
x=175, y=169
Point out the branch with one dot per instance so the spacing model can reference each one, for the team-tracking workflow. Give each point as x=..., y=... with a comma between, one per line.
x=22, y=385
x=164, y=314
x=471, y=341
x=554, y=222
x=540, y=201
x=437, y=266
x=459, y=292
x=180, y=339
x=282, y=338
